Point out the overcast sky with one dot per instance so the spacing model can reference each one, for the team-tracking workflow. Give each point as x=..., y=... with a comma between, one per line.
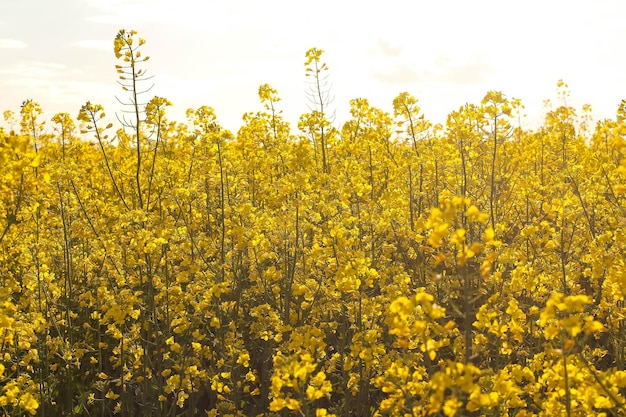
x=218, y=52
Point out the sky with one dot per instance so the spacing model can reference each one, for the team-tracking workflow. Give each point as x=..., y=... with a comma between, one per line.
x=218, y=52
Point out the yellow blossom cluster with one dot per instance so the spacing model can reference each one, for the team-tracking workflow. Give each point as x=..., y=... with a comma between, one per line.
x=384, y=266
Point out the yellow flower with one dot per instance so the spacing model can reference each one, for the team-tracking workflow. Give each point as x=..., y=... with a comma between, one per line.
x=451, y=406
x=180, y=400
x=591, y=326
x=111, y=395
x=278, y=404
x=29, y=403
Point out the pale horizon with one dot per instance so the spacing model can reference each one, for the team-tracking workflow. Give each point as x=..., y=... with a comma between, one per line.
x=217, y=53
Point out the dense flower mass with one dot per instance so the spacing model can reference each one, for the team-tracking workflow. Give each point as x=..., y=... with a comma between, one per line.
x=384, y=267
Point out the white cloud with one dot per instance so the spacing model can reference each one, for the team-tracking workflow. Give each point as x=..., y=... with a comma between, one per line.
x=191, y=14
x=12, y=44
x=33, y=70
x=400, y=73
x=101, y=45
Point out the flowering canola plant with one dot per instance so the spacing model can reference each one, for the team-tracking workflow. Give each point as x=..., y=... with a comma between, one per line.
x=387, y=266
